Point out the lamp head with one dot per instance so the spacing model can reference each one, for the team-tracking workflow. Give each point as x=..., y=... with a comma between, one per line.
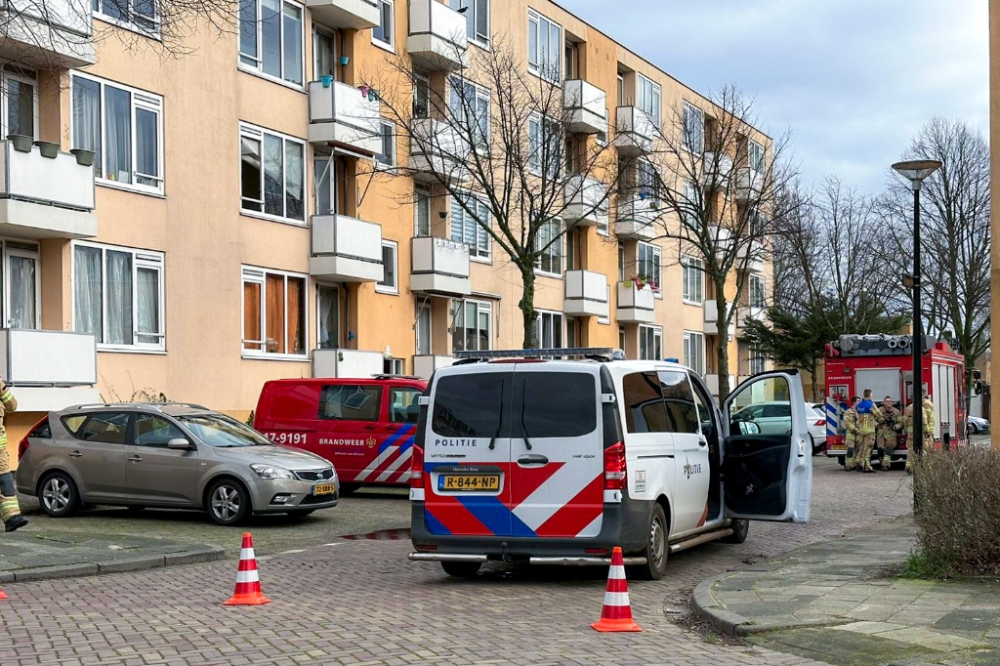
x=916, y=170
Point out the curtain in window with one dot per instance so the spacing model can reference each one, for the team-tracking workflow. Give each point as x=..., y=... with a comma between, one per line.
x=270, y=36
x=118, y=134
x=251, y=315
x=88, y=287
x=148, y=297
x=118, y=285
x=295, y=168
x=146, y=148
x=273, y=175
x=23, y=300
x=275, y=317
x=296, y=316
x=293, y=44
x=87, y=118
x=328, y=320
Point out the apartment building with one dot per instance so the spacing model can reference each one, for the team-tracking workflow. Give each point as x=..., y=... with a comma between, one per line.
x=226, y=233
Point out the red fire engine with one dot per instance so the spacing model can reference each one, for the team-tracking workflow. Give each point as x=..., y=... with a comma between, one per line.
x=884, y=364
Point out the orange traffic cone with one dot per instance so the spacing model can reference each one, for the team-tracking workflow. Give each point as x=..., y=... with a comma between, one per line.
x=248, y=591
x=3, y=595
x=616, y=615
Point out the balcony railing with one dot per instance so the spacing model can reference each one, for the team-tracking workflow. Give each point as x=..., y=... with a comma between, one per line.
x=54, y=34
x=750, y=254
x=586, y=294
x=43, y=197
x=636, y=215
x=347, y=363
x=439, y=266
x=712, y=319
x=716, y=170
x=438, y=37
x=747, y=313
x=349, y=14
x=586, y=202
x=635, y=305
x=634, y=132
x=346, y=250
x=586, y=106
x=424, y=366
x=47, y=358
x=340, y=113
x=437, y=150
x=749, y=184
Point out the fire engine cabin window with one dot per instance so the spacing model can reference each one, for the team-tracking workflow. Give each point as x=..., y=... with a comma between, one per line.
x=349, y=402
x=556, y=404
x=403, y=407
x=682, y=415
x=470, y=405
x=644, y=407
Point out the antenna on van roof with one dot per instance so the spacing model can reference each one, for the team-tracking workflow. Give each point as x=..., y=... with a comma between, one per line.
x=601, y=354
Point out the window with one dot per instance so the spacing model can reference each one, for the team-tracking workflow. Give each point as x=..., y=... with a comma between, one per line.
x=18, y=102
x=647, y=181
x=469, y=405
x=644, y=407
x=223, y=431
x=137, y=15
x=470, y=219
x=573, y=337
x=387, y=156
x=105, y=428
x=472, y=328
x=620, y=90
x=392, y=366
x=682, y=414
x=544, y=146
x=349, y=402
x=155, y=431
x=572, y=55
x=548, y=245
x=118, y=296
x=694, y=280
x=383, y=33
x=606, y=319
x=649, y=264
x=470, y=104
x=124, y=129
x=621, y=261
x=545, y=47
x=550, y=330
x=621, y=338
x=574, y=253
x=421, y=96
x=271, y=38
x=403, y=406
x=755, y=156
x=274, y=313
x=758, y=362
x=650, y=343
x=649, y=98
x=389, y=283
x=324, y=180
x=272, y=174
x=478, y=17
x=422, y=213
x=21, y=284
x=694, y=351
x=556, y=404
x=758, y=294
x=324, y=54
x=423, y=330
x=328, y=314
x=694, y=129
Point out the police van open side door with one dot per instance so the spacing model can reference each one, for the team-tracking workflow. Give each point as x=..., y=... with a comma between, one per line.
x=767, y=476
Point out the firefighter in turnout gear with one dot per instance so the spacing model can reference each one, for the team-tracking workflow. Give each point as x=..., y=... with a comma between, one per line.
x=10, y=511
x=927, y=427
x=888, y=429
x=868, y=416
x=850, y=423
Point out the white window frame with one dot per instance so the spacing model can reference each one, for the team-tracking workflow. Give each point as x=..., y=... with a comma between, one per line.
x=756, y=361
x=756, y=156
x=472, y=16
x=258, y=69
x=257, y=133
x=536, y=123
x=482, y=94
x=535, y=65
x=689, y=111
x=34, y=255
x=693, y=281
x=606, y=319
x=7, y=75
x=481, y=306
x=476, y=253
x=553, y=318
x=555, y=250
x=649, y=98
x=657, y=258
x=146, y=259
x=756, y=283
x=152, y=31
x=146, y=101
x=694, y=351
x=655, y=334
x=389, y=45
x=421, y=199
x=258, y=275
x=422, y=308
x=335, y=288
x=385, y=287
x=389, y=158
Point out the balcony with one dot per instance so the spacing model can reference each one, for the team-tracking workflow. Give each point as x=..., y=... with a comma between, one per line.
x=747, y=313
x=635, y=131
x=713, y=383
x=424, y=366
x=349, y=14
x=636, y=216
x=439, y=266
x=712, y=319
x=755, y=261
x=749, y=185
x=635, y=306
x=586, y=107
x=587, y=294
x=55, y=34
x=716, y=170
x=437, y=152
x=345, y=249
x=586, y=202
x=347, y=363
x=340, y=115
x=49, y=370
x=43, y=197
x=438, y=37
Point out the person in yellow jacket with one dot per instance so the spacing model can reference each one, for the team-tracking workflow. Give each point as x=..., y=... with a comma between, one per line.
x=10, y=511
x=888, y=428
x=868, y=416
x=927, y=426
x=850, y=422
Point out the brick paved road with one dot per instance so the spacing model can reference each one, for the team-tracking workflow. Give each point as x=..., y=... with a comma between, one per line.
x=362, y=602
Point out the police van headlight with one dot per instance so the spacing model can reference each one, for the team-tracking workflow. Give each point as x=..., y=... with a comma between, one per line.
x=270, y=473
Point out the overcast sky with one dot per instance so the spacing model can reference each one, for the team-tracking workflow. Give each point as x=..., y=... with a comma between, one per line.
x=852, y=79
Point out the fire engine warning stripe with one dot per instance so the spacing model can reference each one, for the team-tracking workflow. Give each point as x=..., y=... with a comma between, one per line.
x=396, y=436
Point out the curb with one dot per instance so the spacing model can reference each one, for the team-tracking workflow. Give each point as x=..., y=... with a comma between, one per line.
x=194, y=555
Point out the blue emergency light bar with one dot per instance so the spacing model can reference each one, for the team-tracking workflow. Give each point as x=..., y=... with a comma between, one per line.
x=606, y=353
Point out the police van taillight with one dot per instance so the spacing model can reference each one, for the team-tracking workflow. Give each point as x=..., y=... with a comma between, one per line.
x=614, y=467
x=417, y=467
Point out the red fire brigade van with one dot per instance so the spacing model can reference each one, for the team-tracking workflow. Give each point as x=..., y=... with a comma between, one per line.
x=365, y=427
x=884, y=364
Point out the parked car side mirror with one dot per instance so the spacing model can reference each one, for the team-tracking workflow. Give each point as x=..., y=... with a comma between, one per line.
x=179, y=444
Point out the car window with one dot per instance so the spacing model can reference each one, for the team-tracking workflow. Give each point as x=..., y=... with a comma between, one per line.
x=469, y=405
x=556, y=404
x=222, y=431
x=644, y=408
x=41, y=431
x=403, y=407
x=350, y=402
x=155, y=431
x=682, y=415
x=781, y=410
x=705, y=412
x=769, y=396
x=73, y=423
x=110, y=428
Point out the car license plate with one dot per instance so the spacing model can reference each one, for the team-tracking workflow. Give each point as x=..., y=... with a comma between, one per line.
x=325, y=489
x=469, y=482
x=839, y=447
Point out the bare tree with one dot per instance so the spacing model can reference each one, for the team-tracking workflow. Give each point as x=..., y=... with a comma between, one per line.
x=510, y=152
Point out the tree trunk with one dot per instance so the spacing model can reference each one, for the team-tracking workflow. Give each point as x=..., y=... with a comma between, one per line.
x=722, y=348
x=527, y=306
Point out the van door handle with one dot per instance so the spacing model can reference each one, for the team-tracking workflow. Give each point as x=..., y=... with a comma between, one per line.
x=702, y=442
x=532, y=459
x=74, y=454
x=135, y=459
x=369, y=427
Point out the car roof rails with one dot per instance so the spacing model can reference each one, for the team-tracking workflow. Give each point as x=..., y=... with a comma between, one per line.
x=390, y=376
x=600, y=354
x=134, y=405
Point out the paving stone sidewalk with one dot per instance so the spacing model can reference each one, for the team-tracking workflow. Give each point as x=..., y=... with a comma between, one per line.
x=28, y=555
x=833, y=601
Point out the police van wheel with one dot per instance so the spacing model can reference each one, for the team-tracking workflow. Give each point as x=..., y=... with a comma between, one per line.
x=740, y=530
x=461, y=569
x=656, y=548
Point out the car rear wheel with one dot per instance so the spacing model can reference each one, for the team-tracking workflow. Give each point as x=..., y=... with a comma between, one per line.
x=58, y=495
x=740, y=530
x=656, y=548
x=461, y=569
x=228, y=502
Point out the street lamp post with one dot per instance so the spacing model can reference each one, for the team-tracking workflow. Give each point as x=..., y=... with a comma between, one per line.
x=916, y=171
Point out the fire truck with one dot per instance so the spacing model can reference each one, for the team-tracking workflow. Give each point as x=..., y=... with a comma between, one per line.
x=884, y=364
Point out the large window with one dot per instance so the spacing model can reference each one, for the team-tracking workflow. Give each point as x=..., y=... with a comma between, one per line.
x=421, y=213
x=649, y=98
x=757, y=292
x=694, y=351
x=382, y=34
x=389, y=283
x=472, y=325
x=548, y=245
x=545, y=47
x=272, y=171
x=328, y=313
x=758, y=362
x=755, y=156
x=271, y=36
x=118, y=296
x=18, y=102
x=544, y=146
x=694, y=129
x=124, y=129
x=478, y=17
x=649, y=264
x=139, y=15
x=21, y=282
x=387, y=155
x=423, y=330
x=650, y=343
x=274, y=313
x=470, y=104
x=694, y=280
x=550, y=330
x=469, y=219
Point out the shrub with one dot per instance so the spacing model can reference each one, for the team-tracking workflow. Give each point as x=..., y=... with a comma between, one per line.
x=958, y=512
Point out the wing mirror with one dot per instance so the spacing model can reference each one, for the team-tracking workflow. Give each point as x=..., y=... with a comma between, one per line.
x=749, y=427
x=179, y=444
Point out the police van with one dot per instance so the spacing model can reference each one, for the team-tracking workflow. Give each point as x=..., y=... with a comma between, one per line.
x=532, y=456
